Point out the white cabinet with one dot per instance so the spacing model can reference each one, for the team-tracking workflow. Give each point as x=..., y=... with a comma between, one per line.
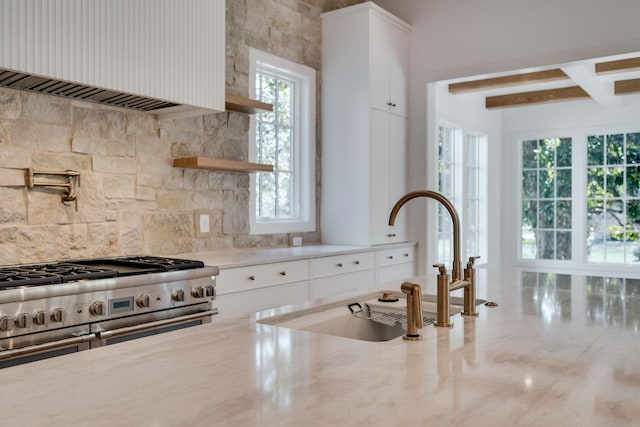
x=364, y=99
x=346, y=274
x=253, y=288
x=395, y=264
x=389, y=58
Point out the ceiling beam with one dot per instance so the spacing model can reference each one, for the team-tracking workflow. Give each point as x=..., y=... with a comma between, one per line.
x=619, y=66
x=601, y=90
x=626, y=86
x=506, y=81
x=536, y=97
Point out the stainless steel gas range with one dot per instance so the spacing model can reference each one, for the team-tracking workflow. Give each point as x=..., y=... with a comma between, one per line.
x=53, y=309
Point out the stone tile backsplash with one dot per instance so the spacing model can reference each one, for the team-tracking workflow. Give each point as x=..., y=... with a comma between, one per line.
x=131, y=200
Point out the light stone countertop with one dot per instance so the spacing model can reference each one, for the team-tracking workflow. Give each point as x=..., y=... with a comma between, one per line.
x=551, y=354
x=251, y=256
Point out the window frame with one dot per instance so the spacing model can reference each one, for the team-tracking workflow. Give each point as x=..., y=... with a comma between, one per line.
x=579, y=137
x=304, y=145
x=459, y=167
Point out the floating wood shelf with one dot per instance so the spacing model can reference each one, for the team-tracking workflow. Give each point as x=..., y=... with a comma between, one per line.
x=245, y=105
x=220, y=165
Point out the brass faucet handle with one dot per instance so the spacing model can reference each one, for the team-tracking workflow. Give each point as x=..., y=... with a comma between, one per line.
x=441, y=268
x=472, y=261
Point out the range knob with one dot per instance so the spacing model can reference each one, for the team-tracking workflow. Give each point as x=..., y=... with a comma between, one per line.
x=41, y=317
x=178, y=295
x=197, y=292
x=6, y=323
x=143, y=301
x=210, y=291
x=98, y=308
x=58, y=315
x=23, y=320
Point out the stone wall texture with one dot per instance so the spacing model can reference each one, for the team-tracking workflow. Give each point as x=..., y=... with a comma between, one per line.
x=130, y=199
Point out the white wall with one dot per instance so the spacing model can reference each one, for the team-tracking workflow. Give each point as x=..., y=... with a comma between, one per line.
x=452, y=39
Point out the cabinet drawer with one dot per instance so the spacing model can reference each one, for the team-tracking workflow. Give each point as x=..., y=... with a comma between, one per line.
x=237, y=304
x=259, y=276
x=395, y=256
x=342, y=264
x=344, y=284
x=391, y=277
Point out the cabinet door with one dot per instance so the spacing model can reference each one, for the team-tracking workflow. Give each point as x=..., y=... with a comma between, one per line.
x=388, y=176
x=378, y=63
x=398, y=58
x=388, y=66
x=379, y=205
x=240, y=303
x=344, y=285
x=397, y=174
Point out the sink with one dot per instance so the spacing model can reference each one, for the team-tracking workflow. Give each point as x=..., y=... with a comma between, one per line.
x=363, y=318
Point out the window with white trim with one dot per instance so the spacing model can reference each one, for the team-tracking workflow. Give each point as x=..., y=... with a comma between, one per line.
x=462, y=178
x=283, y=201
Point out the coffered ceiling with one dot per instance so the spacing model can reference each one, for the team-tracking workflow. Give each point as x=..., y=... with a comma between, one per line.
x=611, y=83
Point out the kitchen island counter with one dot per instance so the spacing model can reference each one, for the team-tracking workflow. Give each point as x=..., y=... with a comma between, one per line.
x=550, y=354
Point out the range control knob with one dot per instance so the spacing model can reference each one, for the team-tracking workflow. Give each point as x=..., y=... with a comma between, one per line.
x=23, y=320
x=58, y=315
x=178, y=295
x=98, y=308
x=6, y=323
x=143, y=301
x=210, y=291
x=41, y=317
x=197, y=292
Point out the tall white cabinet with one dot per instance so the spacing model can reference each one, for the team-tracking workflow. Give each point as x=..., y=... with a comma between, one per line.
x=364, y=124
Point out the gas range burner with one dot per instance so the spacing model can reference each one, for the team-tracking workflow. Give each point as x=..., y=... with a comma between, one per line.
x=91, y=269
x=11, y=277
x=70, y=272
x=168, y=264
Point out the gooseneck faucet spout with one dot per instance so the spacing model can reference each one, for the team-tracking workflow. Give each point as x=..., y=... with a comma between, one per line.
x=457, y=282
x=456, y=271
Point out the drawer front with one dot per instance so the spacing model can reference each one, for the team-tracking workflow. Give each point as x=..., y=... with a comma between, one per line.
x=395, y=256
x=344, y=284
x=391, y=277
x=342, y=264
x=237, y=304
x=259, y=276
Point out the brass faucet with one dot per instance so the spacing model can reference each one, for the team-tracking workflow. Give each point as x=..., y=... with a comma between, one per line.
x=457, y=282
x=414, y=310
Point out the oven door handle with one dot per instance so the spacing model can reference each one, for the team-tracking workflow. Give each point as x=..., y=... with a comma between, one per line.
x=38, y=348
x=152, y=325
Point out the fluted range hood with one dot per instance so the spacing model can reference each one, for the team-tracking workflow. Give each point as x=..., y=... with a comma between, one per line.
x=48, y=86
x=166, y=57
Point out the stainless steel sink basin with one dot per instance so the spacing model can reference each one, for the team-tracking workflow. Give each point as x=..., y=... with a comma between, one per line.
x=362, y=318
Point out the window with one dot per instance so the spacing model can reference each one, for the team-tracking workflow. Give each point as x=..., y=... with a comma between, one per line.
x=546, y=199
x=462, y=180
x=613, y=198
x=581, y=198
x=283, y=201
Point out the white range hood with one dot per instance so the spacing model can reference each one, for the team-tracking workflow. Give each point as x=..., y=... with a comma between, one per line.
x=161, y=56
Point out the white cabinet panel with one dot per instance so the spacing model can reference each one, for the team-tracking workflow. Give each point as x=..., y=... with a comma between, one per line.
x=239, y=303
x=342, y=264
x=364, y=129
x=395, y=256
x=344, y=284
x=394, y=274
x=258, y=276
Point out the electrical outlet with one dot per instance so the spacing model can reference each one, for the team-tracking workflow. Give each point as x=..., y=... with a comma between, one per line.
x=202, y=222
x=296, y=241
